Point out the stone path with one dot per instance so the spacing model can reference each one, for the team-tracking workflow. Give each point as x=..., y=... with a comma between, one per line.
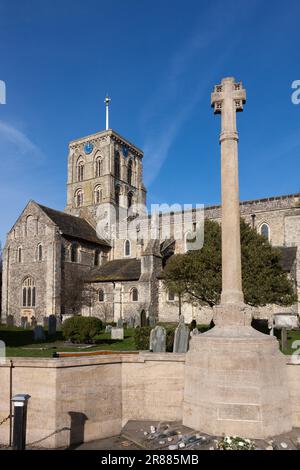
x=152, y=435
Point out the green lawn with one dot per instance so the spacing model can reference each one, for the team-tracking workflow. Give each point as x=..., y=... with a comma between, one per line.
x=19, y=343
x=292, y=336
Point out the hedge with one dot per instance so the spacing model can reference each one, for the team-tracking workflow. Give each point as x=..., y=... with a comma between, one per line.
x=79, y=329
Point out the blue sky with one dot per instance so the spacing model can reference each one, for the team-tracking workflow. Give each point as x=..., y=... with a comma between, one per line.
x=158, y=60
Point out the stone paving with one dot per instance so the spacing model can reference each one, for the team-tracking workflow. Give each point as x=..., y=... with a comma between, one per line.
x=154, y=435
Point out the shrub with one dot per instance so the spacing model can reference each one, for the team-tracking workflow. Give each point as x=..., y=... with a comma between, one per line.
x=81, y=329
x=142, y=338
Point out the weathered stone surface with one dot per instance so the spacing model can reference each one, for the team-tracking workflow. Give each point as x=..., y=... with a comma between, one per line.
x=52, y=325
x=117, y=333
x=236, y=384
x=39, y=334
x=158, y=339
x=181, y=337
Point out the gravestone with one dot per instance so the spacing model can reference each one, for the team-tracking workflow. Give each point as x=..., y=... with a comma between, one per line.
x=120, y=323
x=45, y=322
x=143, y=318
x=52, y=325
x=137, y=321
x=117, y=333
x=39, y=334
x=10, y=320
x=130, y=322
x=24, y=322
x=108, y=328
x=158, y=339
x=181, y=338
x=195, y=332
x=58, y=322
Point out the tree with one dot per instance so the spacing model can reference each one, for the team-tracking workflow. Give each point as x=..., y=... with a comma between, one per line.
x=198, y=274
x=78, y=295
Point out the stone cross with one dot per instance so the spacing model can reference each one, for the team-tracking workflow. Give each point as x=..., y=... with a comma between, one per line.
x=228, y=98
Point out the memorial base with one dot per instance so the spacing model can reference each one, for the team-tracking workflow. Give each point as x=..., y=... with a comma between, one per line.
x=236, y=384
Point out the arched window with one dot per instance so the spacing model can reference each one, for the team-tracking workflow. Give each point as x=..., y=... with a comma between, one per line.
x=28, y=292
x=117, y=165
x=129, y=199
x=134, y=294
x=171, y=296
x=79, y=198
x=19, y=255
x=80, y=170
x=40, y=252
x=129, y=172
x=265, y=231
x=74, y=255
x=117, y=195
x=97, y=195
x=98, y=167
x=127, y=248
x=101, y=295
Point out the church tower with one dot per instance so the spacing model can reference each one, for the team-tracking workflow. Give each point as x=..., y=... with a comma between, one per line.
x=103, y=168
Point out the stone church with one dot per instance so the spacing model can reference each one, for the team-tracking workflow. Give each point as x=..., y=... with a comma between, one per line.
x=49, y=255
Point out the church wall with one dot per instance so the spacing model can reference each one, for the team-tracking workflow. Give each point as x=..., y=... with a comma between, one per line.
x=32, y=228
x=74, y=273
x=117, y=301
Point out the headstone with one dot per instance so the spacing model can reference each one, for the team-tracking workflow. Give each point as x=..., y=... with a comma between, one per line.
x=120, y=323
x=10, y=320
x=108, y=328
x=39, y=334
x=117, y=333
x=45, y=322
x=195, y=332
x=143, y=318
x=181, y=338
x=158, y=339
x=58, y=322
x=137, y=321
x=130, y=322
x=51, y=325
x=24, y=322
x=33, y=321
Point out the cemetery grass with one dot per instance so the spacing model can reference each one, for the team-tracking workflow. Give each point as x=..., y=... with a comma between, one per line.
x=19, y=343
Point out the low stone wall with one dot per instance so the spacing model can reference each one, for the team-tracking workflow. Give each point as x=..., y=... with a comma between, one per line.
x=80, y=399
x=293, y=370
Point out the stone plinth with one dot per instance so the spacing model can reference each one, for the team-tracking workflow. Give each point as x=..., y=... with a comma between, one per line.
x=236, y=383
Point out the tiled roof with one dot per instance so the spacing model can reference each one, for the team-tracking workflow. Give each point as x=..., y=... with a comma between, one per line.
x=117, y=270
x=73, y=226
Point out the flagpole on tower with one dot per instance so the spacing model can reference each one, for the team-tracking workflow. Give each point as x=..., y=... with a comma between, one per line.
x=107, y=101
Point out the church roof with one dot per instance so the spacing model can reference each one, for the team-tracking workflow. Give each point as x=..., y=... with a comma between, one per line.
x=118, y=270
x=73, y=226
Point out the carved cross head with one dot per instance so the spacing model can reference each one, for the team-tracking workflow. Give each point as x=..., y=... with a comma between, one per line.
x=228, y=93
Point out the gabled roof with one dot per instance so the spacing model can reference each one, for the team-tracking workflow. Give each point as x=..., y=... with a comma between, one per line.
x=117, y=270
x=73, y=226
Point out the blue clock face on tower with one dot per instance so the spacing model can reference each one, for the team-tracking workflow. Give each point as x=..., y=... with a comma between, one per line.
x=88, y=148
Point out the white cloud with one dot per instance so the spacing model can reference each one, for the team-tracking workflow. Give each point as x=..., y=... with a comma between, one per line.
x=15, y=143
